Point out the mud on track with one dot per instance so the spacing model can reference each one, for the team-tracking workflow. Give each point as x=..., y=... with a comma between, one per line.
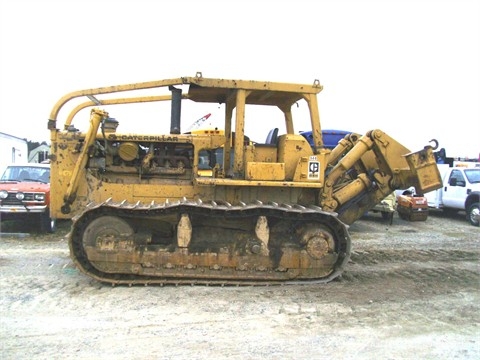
x=410, y=291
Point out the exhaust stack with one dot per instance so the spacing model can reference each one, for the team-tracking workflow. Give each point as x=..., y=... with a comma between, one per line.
x=176, y=110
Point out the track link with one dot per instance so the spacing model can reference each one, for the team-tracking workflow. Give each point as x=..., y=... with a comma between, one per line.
x=211, y=243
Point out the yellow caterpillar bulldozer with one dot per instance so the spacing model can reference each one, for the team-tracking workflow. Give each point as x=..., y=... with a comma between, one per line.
x=215, y=207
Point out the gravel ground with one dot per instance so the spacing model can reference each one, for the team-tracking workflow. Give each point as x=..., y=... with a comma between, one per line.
x=410, y=291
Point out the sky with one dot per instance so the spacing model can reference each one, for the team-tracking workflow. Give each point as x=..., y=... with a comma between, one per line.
x=409, y=68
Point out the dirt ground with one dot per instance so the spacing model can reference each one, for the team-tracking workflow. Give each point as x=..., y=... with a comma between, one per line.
x=410, y=291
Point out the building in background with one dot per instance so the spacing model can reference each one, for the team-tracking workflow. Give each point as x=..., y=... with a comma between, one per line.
x=12, y=150
x=39, y=154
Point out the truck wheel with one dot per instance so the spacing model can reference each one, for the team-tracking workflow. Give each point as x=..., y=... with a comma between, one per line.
x=473, y=214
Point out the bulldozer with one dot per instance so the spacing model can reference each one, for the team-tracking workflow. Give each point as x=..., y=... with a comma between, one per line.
x=216, y=207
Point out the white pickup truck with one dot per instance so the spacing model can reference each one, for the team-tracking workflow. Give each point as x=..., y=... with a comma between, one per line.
x=460, y=191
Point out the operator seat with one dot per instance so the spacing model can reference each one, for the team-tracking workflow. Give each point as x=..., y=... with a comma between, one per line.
x=272, y=137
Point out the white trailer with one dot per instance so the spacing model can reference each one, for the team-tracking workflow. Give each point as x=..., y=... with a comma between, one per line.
x=12, y=150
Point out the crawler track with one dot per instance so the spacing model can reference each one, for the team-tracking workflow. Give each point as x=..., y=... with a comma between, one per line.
x=138, y=244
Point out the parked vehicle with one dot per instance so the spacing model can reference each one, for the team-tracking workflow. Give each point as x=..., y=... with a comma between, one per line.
x=330, y=137
x=460, y=191
x=411, y=206
x=25, y=194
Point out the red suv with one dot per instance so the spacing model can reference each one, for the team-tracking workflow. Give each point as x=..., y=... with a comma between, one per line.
x=25, y=194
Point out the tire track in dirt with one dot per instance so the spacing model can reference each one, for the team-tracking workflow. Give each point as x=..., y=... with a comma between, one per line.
x=389, y=256
x=431, y=271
